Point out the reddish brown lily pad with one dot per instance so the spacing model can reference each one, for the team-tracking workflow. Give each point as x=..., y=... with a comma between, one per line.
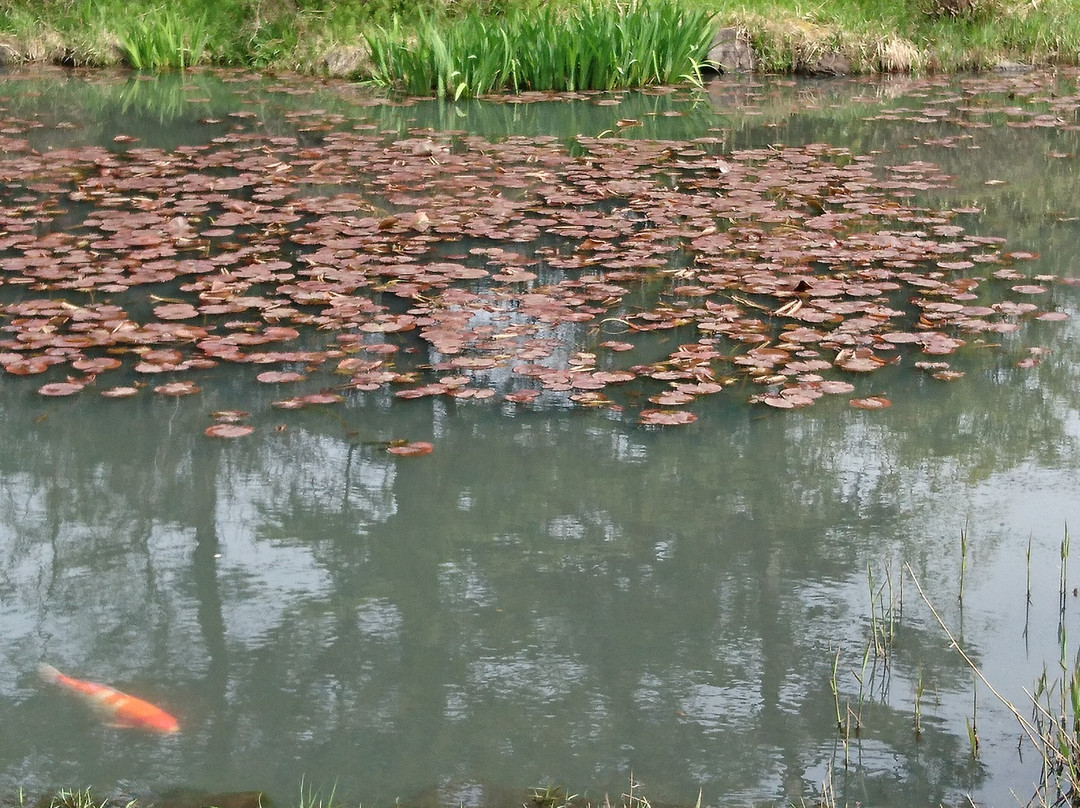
x=96, y=365
x=119, y=392
x=522, y=396
x=467, y=258
x=230, y=416
x=871, y=403
x=666, y=417
x=279, y=376
x=60, y=388
x=410, y=448
x=228, y=430
x=177, y=389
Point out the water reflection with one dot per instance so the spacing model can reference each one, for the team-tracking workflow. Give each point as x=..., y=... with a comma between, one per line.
x=489, y=612
x=548, y=597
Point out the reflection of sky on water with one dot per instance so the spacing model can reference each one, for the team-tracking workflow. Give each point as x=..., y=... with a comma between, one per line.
x=552, y=595
x=602, y=602
x=268, y=570
x=260, y=586
x=538, y=676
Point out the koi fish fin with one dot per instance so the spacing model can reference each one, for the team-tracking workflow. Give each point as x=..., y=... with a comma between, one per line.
x=48, y=673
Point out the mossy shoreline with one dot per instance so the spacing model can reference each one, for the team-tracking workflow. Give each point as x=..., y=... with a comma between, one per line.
x=331, y=37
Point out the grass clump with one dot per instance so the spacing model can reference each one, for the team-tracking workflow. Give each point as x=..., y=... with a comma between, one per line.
x=592, y=46
x=165, y=39
x=76, y=798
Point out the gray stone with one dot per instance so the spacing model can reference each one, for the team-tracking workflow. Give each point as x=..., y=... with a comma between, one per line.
x=1006, y=66
x=731, y=52
x=10, y=53
x=830, y=63
x=347, y=61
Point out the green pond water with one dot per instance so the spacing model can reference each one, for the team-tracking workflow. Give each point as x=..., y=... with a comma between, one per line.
x=556, y=594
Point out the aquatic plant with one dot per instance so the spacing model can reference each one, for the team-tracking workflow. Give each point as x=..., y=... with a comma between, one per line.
x=313, y=798
x=886, y=612
x=83, y=798
x=1053, y=728
x=849, y=720
x=540, y=797
x=592, y=46
x=338, y=268
x=552, y=797
x=919, y=684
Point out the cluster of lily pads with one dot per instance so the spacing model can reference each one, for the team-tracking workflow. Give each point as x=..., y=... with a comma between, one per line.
x=605, y=271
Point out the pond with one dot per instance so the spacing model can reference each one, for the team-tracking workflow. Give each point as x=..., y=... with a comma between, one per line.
x=433, y=452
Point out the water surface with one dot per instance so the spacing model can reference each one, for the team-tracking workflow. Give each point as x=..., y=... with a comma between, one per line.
x=555, y=595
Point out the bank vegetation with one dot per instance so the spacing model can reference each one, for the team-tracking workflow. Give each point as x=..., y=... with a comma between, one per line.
x=474, y=46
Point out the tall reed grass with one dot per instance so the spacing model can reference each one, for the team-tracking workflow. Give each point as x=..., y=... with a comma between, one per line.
x=165, y=39
x=592, y=46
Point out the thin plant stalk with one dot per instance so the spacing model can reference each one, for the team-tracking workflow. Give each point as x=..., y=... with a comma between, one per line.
x=835, y=690
x=1029, y=729
x=973, y=725
x=963, y=560
x=1028, y=559
x=1063, y=588
x=1027, y=603
x=918, y=704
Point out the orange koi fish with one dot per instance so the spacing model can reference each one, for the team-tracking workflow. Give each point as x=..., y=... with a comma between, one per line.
x=116, y=708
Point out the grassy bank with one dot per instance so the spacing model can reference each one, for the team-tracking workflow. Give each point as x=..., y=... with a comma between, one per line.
x=539, y=797
x=336, y=36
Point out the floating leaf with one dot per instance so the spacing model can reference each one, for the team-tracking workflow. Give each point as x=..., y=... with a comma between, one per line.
x=96, y=365
x=228, y=430
x=119, y=392
x=176, y=311
x=410, y=448
x=230, y=416
x=488, y=256
x=522, y=396
x=288, y=404
x=871, y=403
x=278, y=376
x=666, y=417
x=26, y=367
x=60, y=388
x=177, y=389
x=835, y=386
